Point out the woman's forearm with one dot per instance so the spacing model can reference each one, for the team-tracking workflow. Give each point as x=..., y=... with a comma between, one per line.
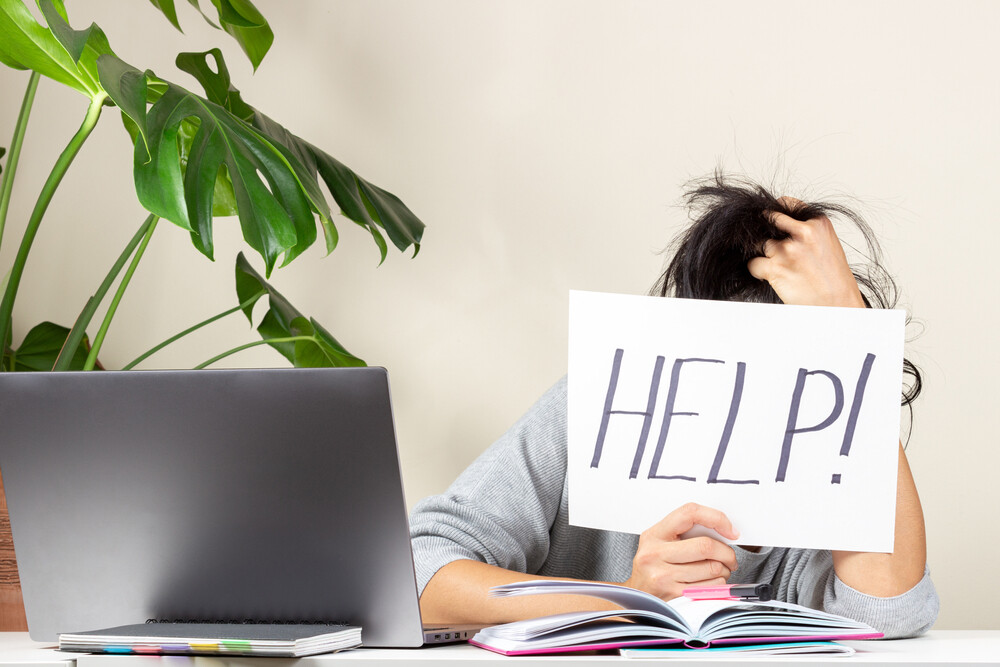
x=459, y=593
x=886, y=575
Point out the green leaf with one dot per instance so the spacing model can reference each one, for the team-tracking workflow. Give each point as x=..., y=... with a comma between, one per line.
x=60, y=53
x=168, y=9
x=128, y=88
x=242, y=20
x=362, y=202
x=216, y=82
x=75, y=42
x=3, y=152
x=41, y=346
x=237, y=17
x=223, y=199
x=201, y=157
x=283, y=320
x=248, y=286
x=209, y=21
x=274, y=213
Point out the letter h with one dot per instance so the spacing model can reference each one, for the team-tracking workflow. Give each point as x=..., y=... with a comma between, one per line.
x=647, y=421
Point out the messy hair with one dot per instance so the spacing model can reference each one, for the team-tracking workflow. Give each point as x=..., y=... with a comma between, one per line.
x=730, y=227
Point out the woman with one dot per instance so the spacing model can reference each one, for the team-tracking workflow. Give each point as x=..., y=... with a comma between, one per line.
x=505, y=518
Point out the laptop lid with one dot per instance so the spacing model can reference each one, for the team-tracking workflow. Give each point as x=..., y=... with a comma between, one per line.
x=270, y=495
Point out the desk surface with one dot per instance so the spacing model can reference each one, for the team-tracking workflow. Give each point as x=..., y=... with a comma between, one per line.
x=943, y=647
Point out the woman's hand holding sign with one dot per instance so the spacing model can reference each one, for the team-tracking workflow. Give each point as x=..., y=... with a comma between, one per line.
x=665, y=564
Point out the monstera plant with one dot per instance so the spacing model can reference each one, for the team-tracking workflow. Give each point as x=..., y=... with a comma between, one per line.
x=196, y=157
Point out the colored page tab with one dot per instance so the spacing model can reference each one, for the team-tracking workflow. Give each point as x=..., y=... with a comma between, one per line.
x=147, y=648
x=236, y=645
x=205, y=648
x=117, y=649
x=176, y=648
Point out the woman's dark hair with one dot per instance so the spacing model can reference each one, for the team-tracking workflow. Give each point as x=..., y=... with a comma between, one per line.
x=729, y=228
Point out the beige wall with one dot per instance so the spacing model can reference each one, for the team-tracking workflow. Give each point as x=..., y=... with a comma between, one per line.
x=544, y=144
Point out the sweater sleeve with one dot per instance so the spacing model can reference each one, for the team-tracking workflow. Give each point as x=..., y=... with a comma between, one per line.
x=809, y=579
x=905, y=615
x=499, y=511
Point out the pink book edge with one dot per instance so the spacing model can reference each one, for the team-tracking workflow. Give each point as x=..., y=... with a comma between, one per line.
x=668, y=642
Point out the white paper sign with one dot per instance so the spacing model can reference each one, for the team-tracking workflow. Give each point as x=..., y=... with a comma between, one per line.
x=786, y=418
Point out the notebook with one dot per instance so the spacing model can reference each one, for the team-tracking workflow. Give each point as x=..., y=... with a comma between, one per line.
x=222, y=495
x=285, y=640
x=645, y=620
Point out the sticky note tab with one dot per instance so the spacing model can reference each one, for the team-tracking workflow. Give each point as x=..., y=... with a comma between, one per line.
x=236, y=645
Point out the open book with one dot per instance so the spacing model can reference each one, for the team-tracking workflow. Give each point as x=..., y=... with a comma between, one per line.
x=288, y=640
x=645, y=620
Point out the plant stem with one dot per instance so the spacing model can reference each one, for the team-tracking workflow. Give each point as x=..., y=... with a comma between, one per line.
x=15, y=148
x=80, y=326
x=95, y=348
x=289, y=339
x=142, y=357
x=44, y=198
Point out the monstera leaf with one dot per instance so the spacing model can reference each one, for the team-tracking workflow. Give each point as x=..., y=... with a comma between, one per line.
x=274, y=213
x=185, y=145
x=315, y=348
x=360, y=201
x=57, y=51
x=40, y=348
x=237, y=17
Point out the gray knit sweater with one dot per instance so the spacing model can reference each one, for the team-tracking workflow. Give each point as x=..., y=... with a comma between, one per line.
x=510, y=508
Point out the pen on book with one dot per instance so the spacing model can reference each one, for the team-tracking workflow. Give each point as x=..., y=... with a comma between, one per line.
x=759, y=592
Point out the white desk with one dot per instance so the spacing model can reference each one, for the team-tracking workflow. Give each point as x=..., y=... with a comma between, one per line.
x=943, y=647
x=17, y=649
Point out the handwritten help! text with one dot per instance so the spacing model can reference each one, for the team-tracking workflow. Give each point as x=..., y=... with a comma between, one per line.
x=792, y=428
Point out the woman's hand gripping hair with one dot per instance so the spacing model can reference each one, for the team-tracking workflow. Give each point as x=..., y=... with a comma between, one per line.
x=809, y=268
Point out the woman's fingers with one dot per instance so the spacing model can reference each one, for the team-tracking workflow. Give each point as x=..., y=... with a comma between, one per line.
x=791, y=203
x=695, y=573
x=665, y=564
x=687, y=516
x=771, y=247
x=809, y=266
x=718, y=581
x=785, y=223
x=700, y=550
x=760, y=268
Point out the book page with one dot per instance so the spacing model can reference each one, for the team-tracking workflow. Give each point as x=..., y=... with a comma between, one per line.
x=623, y=596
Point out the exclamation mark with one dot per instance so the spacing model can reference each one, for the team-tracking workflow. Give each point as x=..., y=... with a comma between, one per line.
x=852, y=419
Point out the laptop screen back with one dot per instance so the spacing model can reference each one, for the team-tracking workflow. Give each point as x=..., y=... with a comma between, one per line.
x=266, y=495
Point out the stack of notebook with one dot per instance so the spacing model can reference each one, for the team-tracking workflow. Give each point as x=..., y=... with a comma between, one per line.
x=278, y=640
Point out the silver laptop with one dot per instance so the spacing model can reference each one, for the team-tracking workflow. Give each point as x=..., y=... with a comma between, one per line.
x=263, y=495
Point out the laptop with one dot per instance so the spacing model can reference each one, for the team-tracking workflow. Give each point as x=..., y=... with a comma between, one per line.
x=268, y=495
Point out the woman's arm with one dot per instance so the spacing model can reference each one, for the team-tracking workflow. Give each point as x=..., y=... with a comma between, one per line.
x=664, y=565
x=887, y=575
x=459, y=593
x=810, y=268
